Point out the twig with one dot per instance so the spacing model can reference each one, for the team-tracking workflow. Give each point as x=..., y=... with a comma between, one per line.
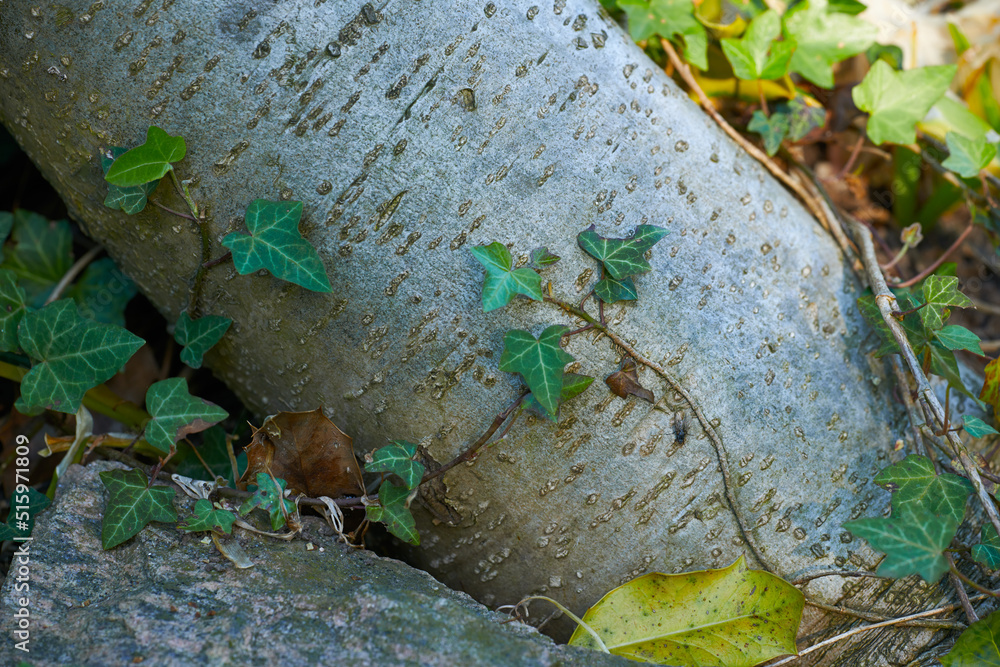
x=833, y=573
x=218, y=260
x=170, y=210
x=185, y=195
x=930, y=269
x=73, y=272
x=969, y=582
x=877, y=618
x=853, y=157
x=199, y=276
x=911, y=408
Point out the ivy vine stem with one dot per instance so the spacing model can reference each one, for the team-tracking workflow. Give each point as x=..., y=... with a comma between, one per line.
x=183, y=191
x=68, y=277
x=170, y=210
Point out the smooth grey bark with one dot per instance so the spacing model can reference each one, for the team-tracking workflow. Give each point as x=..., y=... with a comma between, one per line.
x=414, y=130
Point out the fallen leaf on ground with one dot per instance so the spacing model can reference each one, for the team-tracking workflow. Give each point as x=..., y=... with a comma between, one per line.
x=625, y=382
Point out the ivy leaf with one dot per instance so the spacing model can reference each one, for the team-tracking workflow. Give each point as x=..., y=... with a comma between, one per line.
x=541, y=258
x=207, y=517
x=913, y=541
x=757, y=55
x=102, y=292
x=392, y=510
x=573, y=384
x=41, y=254
x=130, y=199
x=199, y=336
x=622, y=257
x=955, y=337
x=978, y=646
x=990, y=393
x=668, y=18
x=214, y=452
x=131, y=505
x=12, y=309
x=610, y=290
x=987, y=551
x=176, y=413
x=270, y=498
x=912, y=325
x=397, y=458
x=6, y=224
x=74, y=355
x=898, y=100
x=540, y=361
x=944, y=363
x=772, y=129
x=968, y=156
x=502, y=282
x=940, y=292
x=914, y=481
x=275, y=244
x=147, y=162
x=824, y=38
x=23, y=510
x=803, y=117
x=977, y=428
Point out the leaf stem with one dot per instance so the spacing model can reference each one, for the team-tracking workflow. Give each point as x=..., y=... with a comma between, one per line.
x=199, y=277
x=183, y=191
x=971, y=584
x=218, y=260
x=577, y=619
x=170, y=210
x=930, y=269
x=73, y=272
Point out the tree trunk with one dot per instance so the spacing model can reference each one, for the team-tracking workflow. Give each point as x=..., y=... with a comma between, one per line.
x=415, y=130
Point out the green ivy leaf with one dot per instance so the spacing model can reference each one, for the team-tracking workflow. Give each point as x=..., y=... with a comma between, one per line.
x=176, y=413
x=148, y=162
x=940, y=292
x=987, y=551
x=41, y=254
x=622, y=257
x=913, y=541
x=207, y=517
x=131, y=199
x=978, y=646
x=74, y=354
x=392, y=510
x=898, y=100
x=541, y=258
x=540, y=361
x=772, y=129
x=397, y=458
x=977, y=428
x=968, y=156
x=757, y=55
x=912, y=325
x=269, y=497
x=955, y=337
x=669, y=18
x=103, y=292
x=573, y=384
x=803, y=117
x=824, y=38
x=914, y=481
x=610, y=290
x=6, y=224
x=199, y=336
x=275, y=244
x=131, y=505
x=23, y=510
x=944, y=363
x=215, y=454
x=12, y=309
x=990, y=393
x=502, y=281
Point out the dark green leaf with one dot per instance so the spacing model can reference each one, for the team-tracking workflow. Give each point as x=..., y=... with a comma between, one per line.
x=276, y=245
x=131, y=505
x=913, y=541
x=199, y=336
x=977, y=428
x=669, y=18
x=978, y=646
x=912, y=326
x=913, y=481
x=955, y=337
x=148, y=162
x=967, y=157
x=573, y=384
x=131, y=199
x=502, y=281
x=803, y=117
x=757, y=55
x=102, y=292
x=890, y=54
x=610, y=290
x=73, y=355
x=215, y=454
x=772, y=129
x=23, y=510
x=6, y=224
x=944, y=363
x=898, y=100
x=176, y=413
x=940, y=292
x=393, y=511
x=12, y=309
x=41, y=254
x=852, y=7
x=987, y=551
x=541, y=257
x=207, y=517
x=823, y=38
x=397, y=458
x=539, y=361
x=270, y=498
x=622, y=257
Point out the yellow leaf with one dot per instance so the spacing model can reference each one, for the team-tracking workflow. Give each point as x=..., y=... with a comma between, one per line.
x=733, y=617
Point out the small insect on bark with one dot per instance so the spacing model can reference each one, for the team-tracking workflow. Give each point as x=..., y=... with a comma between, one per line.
x=680, y=427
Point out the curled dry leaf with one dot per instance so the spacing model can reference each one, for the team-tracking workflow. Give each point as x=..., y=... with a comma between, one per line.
x=308, y=451
x=625, y=382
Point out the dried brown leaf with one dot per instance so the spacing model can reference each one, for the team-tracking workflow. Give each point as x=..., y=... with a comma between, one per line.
x=625, y=382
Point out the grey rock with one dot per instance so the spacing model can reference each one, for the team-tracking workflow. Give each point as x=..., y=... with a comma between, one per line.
x=170, y=599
